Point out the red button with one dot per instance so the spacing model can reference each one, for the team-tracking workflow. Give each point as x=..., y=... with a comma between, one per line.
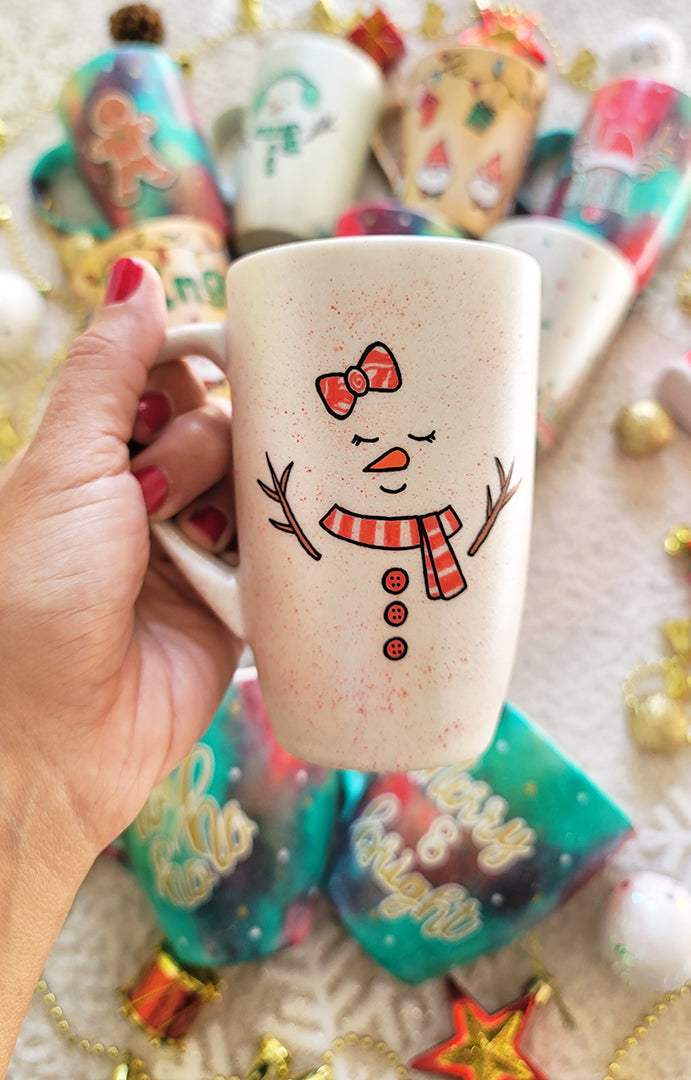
x=395, y=648
x=395, y=580
x=396, y=613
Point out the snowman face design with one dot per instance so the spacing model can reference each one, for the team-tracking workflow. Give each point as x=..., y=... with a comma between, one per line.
x=430, y=529
x=287, y=114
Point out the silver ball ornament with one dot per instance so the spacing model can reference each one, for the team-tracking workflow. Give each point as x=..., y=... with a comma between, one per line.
x=21, y=310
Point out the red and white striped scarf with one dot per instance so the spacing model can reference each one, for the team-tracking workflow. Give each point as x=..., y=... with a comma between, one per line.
x=443, y=577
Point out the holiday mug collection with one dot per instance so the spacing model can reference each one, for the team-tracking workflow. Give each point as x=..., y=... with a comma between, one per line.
x=389, y=392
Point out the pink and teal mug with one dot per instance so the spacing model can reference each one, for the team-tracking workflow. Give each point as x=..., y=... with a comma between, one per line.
x=627, y=174
x=134, y=141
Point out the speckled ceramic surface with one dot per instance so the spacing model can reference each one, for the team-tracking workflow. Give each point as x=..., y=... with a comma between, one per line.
x=587, y=289
x=384, y=408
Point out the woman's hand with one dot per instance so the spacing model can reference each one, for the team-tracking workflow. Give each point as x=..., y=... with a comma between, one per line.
x=111, y=665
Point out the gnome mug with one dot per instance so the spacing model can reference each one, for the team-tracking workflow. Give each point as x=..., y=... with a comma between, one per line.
x=384, y=412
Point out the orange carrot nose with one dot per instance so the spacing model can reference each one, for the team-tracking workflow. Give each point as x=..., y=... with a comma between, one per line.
x=391, y=461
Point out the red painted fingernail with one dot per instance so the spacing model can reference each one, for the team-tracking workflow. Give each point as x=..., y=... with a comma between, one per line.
x=153, y=411
x=211, y=521
x=123, y=281
x=155, y=487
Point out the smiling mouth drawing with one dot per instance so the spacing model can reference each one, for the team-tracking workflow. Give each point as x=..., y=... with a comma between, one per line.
x=393, y=491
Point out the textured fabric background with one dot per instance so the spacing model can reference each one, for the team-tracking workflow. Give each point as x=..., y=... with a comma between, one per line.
x=600, y=584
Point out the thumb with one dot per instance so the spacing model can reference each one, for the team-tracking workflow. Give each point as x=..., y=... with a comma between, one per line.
x=93, y=406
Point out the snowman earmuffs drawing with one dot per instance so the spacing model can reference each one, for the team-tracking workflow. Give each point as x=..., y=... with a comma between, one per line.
x=377, y=371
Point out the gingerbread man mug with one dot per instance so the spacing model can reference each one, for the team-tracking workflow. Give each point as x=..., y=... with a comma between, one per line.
x=384, y=411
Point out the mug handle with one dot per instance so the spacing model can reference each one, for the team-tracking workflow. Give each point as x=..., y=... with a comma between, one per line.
x=549, y=150
x=227, y=135
x=60, y=164
x=217, y=583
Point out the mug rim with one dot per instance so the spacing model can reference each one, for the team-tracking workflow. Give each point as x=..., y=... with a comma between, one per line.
x=502, y=253
x=437, y=54
x=543, y=223
x=281, y=39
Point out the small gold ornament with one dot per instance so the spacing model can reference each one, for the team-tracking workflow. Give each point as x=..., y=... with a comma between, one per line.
x=251, y=15
x=432, y=20
x=684, y=292
x=678, y=634
x=582, y=69
x=659, y=723
x=678, y=541
x=9, y=439
x=643, y=428
x=323, y=19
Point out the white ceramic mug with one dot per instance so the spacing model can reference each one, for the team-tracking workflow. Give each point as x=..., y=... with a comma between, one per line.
x=384, y=401
x=315, y=105
x=587, y=289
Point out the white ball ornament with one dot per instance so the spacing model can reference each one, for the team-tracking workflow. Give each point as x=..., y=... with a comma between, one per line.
x=645, y=934
x=647, y=49
x=21, y=310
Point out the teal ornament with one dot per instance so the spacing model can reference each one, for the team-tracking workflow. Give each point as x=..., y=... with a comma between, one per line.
x=232, y=847
x=441, y=866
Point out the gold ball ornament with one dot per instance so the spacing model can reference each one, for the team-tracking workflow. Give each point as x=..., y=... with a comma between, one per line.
x=659, y=723
x=643, y=428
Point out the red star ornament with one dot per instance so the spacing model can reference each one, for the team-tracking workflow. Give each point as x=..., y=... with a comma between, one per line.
x=485, y=1046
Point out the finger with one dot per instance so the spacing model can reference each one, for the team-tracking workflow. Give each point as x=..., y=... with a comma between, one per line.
x=210, y=520
x=171, y=389
x=93, y=407
x=191, y=455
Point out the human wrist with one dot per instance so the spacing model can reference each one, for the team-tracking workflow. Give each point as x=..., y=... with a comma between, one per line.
x=43, y=859
x=40, y=832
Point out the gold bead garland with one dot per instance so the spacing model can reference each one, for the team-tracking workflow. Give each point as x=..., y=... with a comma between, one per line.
x=641, y=1030
x=272, y=1063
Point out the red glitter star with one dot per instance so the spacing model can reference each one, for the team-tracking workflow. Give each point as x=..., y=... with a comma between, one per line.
x=485, y=1046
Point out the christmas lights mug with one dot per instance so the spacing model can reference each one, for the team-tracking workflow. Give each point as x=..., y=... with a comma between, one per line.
x=467, y=133
x=314, y=107
x=384, y=411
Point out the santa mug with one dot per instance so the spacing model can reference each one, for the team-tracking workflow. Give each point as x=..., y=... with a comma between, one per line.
x=468, y=129
x=315, y=104
x=384, y=411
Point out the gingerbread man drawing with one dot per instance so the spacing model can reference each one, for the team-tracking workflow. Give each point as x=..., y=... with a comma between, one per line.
x=121, y=141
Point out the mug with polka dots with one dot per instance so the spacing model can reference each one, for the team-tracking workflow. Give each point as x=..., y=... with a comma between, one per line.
x=588, y=287
x=384, y=414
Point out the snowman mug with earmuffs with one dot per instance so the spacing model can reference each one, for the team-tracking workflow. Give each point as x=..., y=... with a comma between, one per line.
x=304, y=139
x=384, y=412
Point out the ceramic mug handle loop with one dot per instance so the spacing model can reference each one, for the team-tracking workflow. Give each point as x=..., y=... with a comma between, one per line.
x=216, y=581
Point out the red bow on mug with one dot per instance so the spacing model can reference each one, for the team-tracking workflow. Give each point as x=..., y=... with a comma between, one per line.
x=376, y=370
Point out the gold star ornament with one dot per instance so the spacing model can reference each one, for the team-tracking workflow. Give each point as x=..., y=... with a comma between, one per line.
x=485, y=1046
